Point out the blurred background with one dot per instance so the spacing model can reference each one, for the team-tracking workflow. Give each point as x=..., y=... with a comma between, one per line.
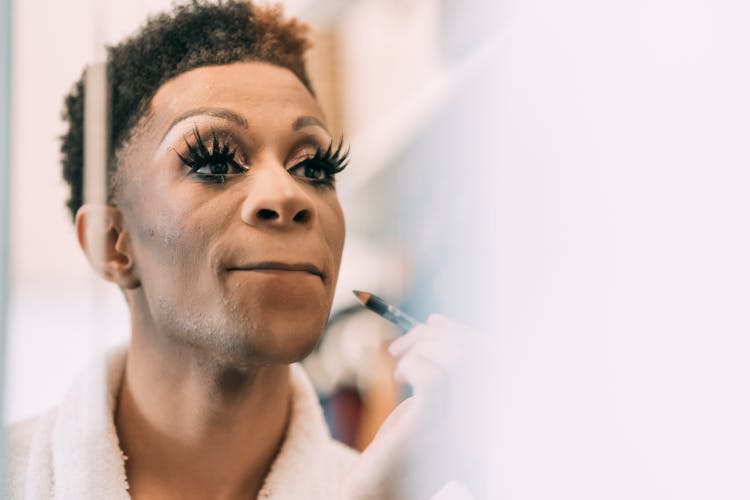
x=568, y=178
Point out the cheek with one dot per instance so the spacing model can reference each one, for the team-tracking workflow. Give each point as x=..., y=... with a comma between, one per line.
x=174, y=228
x=334, y=229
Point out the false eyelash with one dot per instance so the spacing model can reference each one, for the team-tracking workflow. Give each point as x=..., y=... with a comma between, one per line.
x=331, y=160
x=199, y=155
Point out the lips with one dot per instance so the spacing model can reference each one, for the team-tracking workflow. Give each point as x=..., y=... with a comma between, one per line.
x=304, y=267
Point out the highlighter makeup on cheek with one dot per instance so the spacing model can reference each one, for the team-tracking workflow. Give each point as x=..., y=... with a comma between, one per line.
x=387, y=311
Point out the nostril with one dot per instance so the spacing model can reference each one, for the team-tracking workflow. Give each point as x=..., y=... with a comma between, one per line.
x=302, y=216
x=267, y=214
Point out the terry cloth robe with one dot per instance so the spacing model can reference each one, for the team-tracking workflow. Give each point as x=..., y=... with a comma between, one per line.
x=72, y=451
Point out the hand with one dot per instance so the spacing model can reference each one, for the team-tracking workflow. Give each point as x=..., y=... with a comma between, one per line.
x=425, y=442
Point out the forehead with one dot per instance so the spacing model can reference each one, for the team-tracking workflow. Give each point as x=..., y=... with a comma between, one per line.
x=260, y=90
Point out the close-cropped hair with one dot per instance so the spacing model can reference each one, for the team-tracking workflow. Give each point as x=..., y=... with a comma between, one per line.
x=192, y=35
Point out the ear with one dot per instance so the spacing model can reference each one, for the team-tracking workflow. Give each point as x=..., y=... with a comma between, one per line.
x=107, y=244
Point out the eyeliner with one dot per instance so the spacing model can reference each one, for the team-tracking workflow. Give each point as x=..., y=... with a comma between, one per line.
x=387, y=311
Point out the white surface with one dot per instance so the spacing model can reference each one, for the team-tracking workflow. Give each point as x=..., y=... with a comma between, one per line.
x=619, y=189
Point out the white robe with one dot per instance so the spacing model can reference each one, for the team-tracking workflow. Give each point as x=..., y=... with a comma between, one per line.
x=72, y=451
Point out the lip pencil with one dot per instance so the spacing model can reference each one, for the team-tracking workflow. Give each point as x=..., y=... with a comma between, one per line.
x=384, y=309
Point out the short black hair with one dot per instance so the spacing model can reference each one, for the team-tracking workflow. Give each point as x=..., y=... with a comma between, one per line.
x=192, y=35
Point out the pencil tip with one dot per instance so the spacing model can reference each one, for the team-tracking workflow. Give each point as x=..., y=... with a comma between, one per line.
x=362, y=296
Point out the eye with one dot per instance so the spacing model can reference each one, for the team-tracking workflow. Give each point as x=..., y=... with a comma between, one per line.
x=321, y=168
x=311, y=169
x=211, y=164
x=213, y=169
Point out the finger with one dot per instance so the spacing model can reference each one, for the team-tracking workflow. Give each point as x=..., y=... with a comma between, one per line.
x=444, y=350
x=436, y=319
x=444, y=331
x=420, y=372
x=440, y=321
x=442, y=345
x=443, y=323
x=404, y=342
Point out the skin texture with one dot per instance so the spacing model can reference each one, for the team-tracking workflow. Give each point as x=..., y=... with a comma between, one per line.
x=206, y=388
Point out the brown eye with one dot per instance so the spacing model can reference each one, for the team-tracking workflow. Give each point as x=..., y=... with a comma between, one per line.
x=220, y=168
x=321, y=168
x=210, y=162
x=310, y=170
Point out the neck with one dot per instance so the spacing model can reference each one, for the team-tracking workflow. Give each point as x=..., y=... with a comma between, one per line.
x=197, y=428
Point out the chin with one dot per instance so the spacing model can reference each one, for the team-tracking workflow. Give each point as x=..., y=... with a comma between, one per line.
x=261, y=328
x=274, y=339
x=292, y=340
x=284, y=331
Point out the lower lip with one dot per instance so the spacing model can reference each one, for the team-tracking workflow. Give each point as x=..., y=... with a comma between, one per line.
x=279, y=272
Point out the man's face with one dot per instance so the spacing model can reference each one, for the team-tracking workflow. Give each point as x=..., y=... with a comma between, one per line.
x=236, y=232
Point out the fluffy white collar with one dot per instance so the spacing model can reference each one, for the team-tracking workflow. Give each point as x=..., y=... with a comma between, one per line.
x=73, y=451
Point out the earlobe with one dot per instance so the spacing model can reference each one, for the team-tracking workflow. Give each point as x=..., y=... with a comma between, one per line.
x=106, y=243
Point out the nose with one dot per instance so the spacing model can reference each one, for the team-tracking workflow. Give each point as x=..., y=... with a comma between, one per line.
x=275, y=199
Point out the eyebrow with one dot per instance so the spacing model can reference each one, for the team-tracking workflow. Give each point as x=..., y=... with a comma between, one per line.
x=307, y=121
x=224, y=113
